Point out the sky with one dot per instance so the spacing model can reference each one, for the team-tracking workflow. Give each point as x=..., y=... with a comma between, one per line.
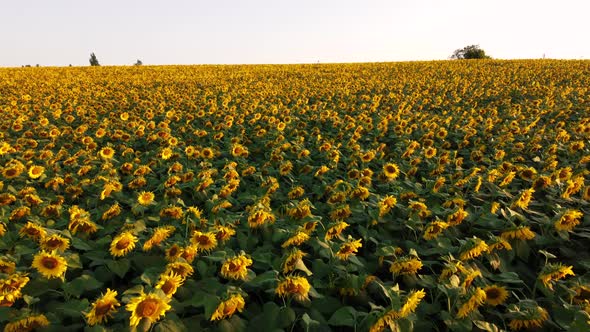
x=119, y=32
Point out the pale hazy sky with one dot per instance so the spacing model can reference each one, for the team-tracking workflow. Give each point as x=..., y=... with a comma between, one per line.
x=62, y=32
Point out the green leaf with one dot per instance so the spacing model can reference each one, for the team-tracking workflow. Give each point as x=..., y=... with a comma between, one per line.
x=71, y=308
x=286, y=317
x=78, y=286
x=119, y=267
x=345, y=316
x=265, y=278
x=170, y=325
x=80, y=244
x=308, y=323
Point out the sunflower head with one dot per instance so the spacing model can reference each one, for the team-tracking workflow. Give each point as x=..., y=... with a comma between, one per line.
x=103, y=308
x=50, y=265
x=150, y=307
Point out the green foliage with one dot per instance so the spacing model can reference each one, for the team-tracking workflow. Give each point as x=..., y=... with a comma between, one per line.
x=93, y=60
x=470, y=52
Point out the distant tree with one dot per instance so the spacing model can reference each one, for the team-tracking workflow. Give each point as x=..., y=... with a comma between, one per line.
x=138, y=63
x=93, y=60
x=470, y=52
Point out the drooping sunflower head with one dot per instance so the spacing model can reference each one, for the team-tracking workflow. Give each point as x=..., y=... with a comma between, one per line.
x=55, y=242
x=348, y=248
x=227, y=308
x=406, y=266
x=180, y=268
x=236, y=268
x=29, y=323
x=33, y=231
x=103, y=308
x=476, y=298
x=526, y=314
x=298, y=287
x=473, y=248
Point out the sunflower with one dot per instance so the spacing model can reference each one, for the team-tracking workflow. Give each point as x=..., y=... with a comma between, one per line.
x=236, y=268
x=113, y=211
x=207, y=153
x=507, y=179
x=160, y=235
x=392, y=315
x=569, y=220
x=296, y=192
x=434, y=229
x=204, y=241
x=258, y=217
x=7, y=267
x=582, y=295
x=227, y=308
x=473, y=248
x=107, y=152
x=7, y=199
x=386, y=204
x=412, y=302
x=11, y=172
x=223, y=233
x=498, y=243
x=35, y=171
x=440, y=181
x=145, y=198
x=181, y=268
x=150, y=306
x=19, y=213
x=457, y=217
x=335, y=230
x=298, y=287
x=122, y=244
x=552, y=272
x=292, y=260
x=297, y=239
x=169, y=283
x=495, y=295
x=32, y=231
x=391, y=171
x=55, y=242
x=406, y=266
x=50, y=265
x=173, y=252
x=476, y=299
x=430, y=152
x=524, y=199
x=103, y=308
x=527, y=315
x=301, y=210
x=520, y=233
x=348, y=248
x=189, y=253
x=10, y=288
x=29, y=323
x=166, y=153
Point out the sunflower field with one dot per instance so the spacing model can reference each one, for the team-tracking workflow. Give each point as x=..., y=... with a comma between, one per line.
x=426, y=196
